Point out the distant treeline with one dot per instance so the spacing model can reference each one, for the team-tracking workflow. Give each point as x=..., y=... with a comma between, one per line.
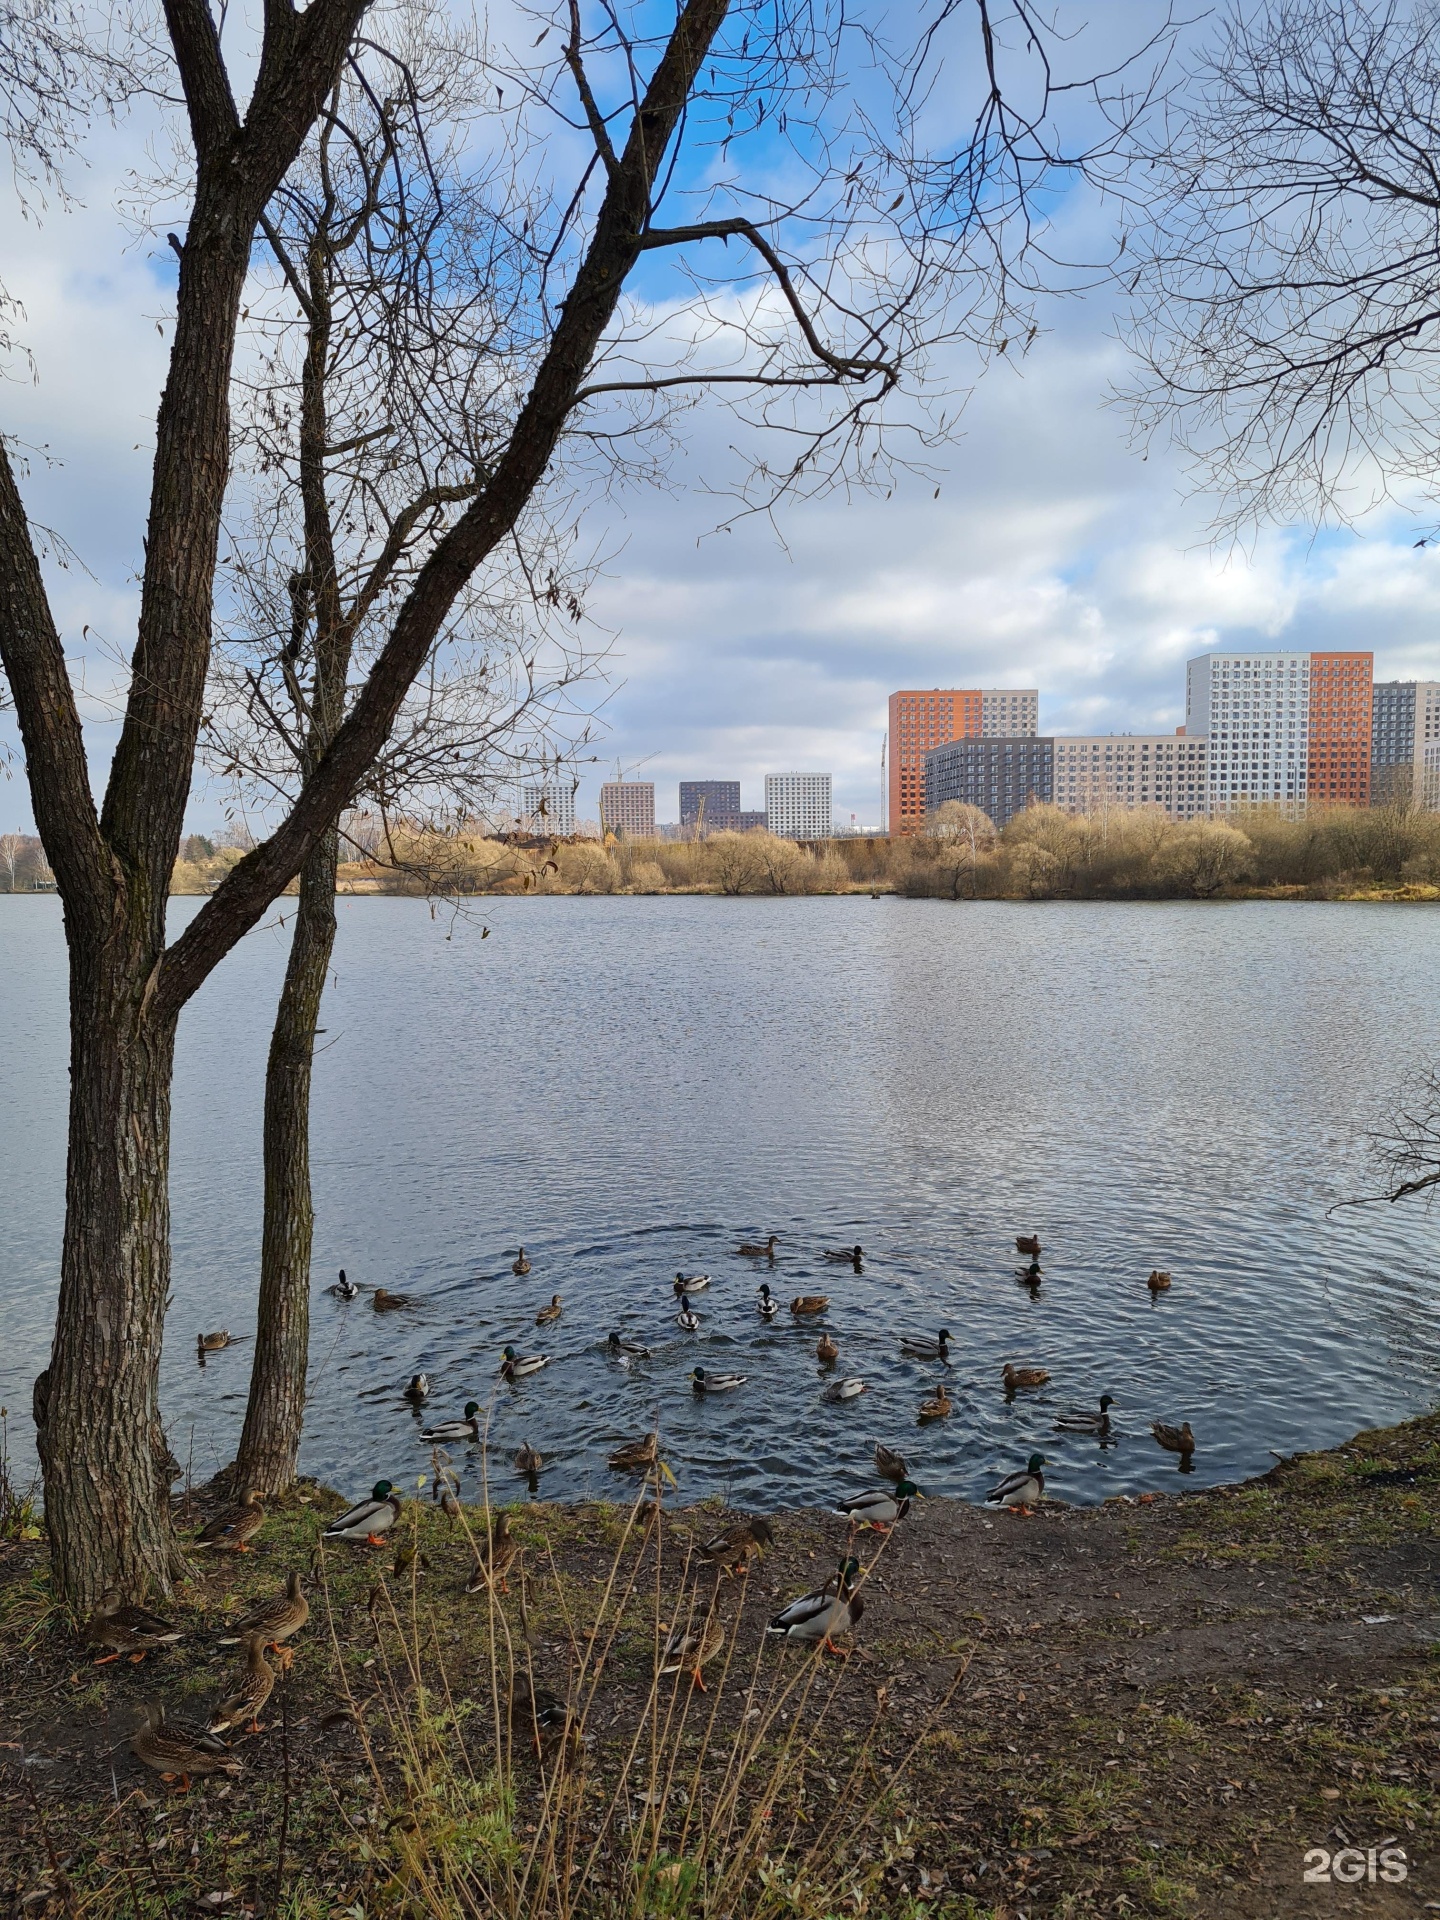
x=1042, y=854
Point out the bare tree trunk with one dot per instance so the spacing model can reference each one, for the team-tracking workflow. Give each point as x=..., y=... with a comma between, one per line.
x=275, y=1412
x=106, y=1489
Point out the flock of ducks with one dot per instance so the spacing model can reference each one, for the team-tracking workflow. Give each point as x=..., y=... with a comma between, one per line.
x=179, y=1750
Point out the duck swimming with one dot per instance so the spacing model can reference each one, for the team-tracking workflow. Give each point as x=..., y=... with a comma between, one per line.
x=844, y=1390
x=704, y=1382
x=1081, y=1420
x=1028, y=1243
x=520, y=1265
x=767, y=1306
x=691, y=1282
x=940, y=1408
x=804, y=1303
x=1017, y=1377
x=343, y=1288
x=853, y=1255
x=528, y=1459
x=516, y=1366
x=631, y=1347
x=827, y=1350
x=635, y=1456
x=688, y=1319
x=547, y=1314
x=418, y=1389
x=1158, y=1281
x=936, y=1349
x=384, y=1301
x=1174, y=1439
x=765, y=1251
x=213, y=1342
x=889, y=1464
x=466, y=1428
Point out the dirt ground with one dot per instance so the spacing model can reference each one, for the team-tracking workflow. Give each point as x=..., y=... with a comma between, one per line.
x=1163, y=1706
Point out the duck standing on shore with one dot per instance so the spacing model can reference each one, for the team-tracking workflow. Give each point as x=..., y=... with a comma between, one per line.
x=177, y=1751
x=242, y=1708
x=686, y=1649
x=1023, y=1490
x=368, y=1520
x=234, y=1527
x=831, y=1609
x=125, y=1628
x=275, y=1620
x=731, y=1548
x=880, y=1509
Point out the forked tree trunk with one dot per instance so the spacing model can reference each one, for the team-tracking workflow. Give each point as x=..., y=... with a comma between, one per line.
x=275, y=1412
x=106, y=1488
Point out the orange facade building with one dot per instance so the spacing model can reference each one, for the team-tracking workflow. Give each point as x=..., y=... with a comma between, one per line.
x=921, y=718
x=1338, y=773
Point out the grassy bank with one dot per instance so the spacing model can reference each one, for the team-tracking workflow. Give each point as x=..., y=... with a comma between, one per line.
x=1151, y=1708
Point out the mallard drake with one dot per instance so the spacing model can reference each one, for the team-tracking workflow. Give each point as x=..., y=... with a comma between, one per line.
x=879, y=1510
x=418, y=1390
x=1030, y=1276
x=809, y=1303
x=827, y=1350
x=632, y=1348
x=850, y=1389
x=730, y=1549
x=940, y=1408
x=384, y=1301
x=234, y=1527
x=515, y=1366
x=1017, y=1377
x=688, y=1319
x=213, y=1342
x=1028, y=1243
x=1174, y=1439
x=125, y=1628
x=1082, y=1420
x=686, y=1649
x=767, y=1306
x=275, y=1620
x=242, y=1708
x=344, y=1288
x=368, y=1519
x=889, y=1464
x=465, y=1428
x=834, y=1608
x=176, y=1750
x=691, y=1282
x=520, y=1265
x=920, y=1349
x=1158, y=1281
x=547, y=1314
x=493, y=1566
x=764, y=1251
x=1023, y=1489
x=704, y=1382
x=635, y=1456
x=528, y=1459
x=852, y=1255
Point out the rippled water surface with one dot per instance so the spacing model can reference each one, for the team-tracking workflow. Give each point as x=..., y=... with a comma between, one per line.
x=633, y=1086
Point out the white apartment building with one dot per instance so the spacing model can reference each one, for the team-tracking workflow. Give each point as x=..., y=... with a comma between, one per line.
x=548, y=806
x=628, y=807
x=1096, y=771
x=1009, y=713
x=1254, y=709
x=797, y=805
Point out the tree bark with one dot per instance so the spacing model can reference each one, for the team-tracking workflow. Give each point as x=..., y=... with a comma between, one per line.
x=275, y=1412
x=106, y=1488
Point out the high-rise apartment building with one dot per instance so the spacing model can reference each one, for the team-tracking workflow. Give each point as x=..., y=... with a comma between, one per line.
x=1405, y=741
x=1096, y=771
x=1001, y=777
x=1284, y=728
x=922, y=718
x=1254, y=710
x=628, y=807
x=1339, y=770
x=797, y=805
x=548, y=807
x=712, y=805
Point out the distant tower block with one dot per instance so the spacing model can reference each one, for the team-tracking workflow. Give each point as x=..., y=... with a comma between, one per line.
x=628, y=807
x=797, y=805
x=927, y=717
x=548, y=807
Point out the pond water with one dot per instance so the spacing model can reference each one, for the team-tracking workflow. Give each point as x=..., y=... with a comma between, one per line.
x=633, y=1086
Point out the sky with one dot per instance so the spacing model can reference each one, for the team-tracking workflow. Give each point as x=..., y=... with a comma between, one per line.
x=1056, y=555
